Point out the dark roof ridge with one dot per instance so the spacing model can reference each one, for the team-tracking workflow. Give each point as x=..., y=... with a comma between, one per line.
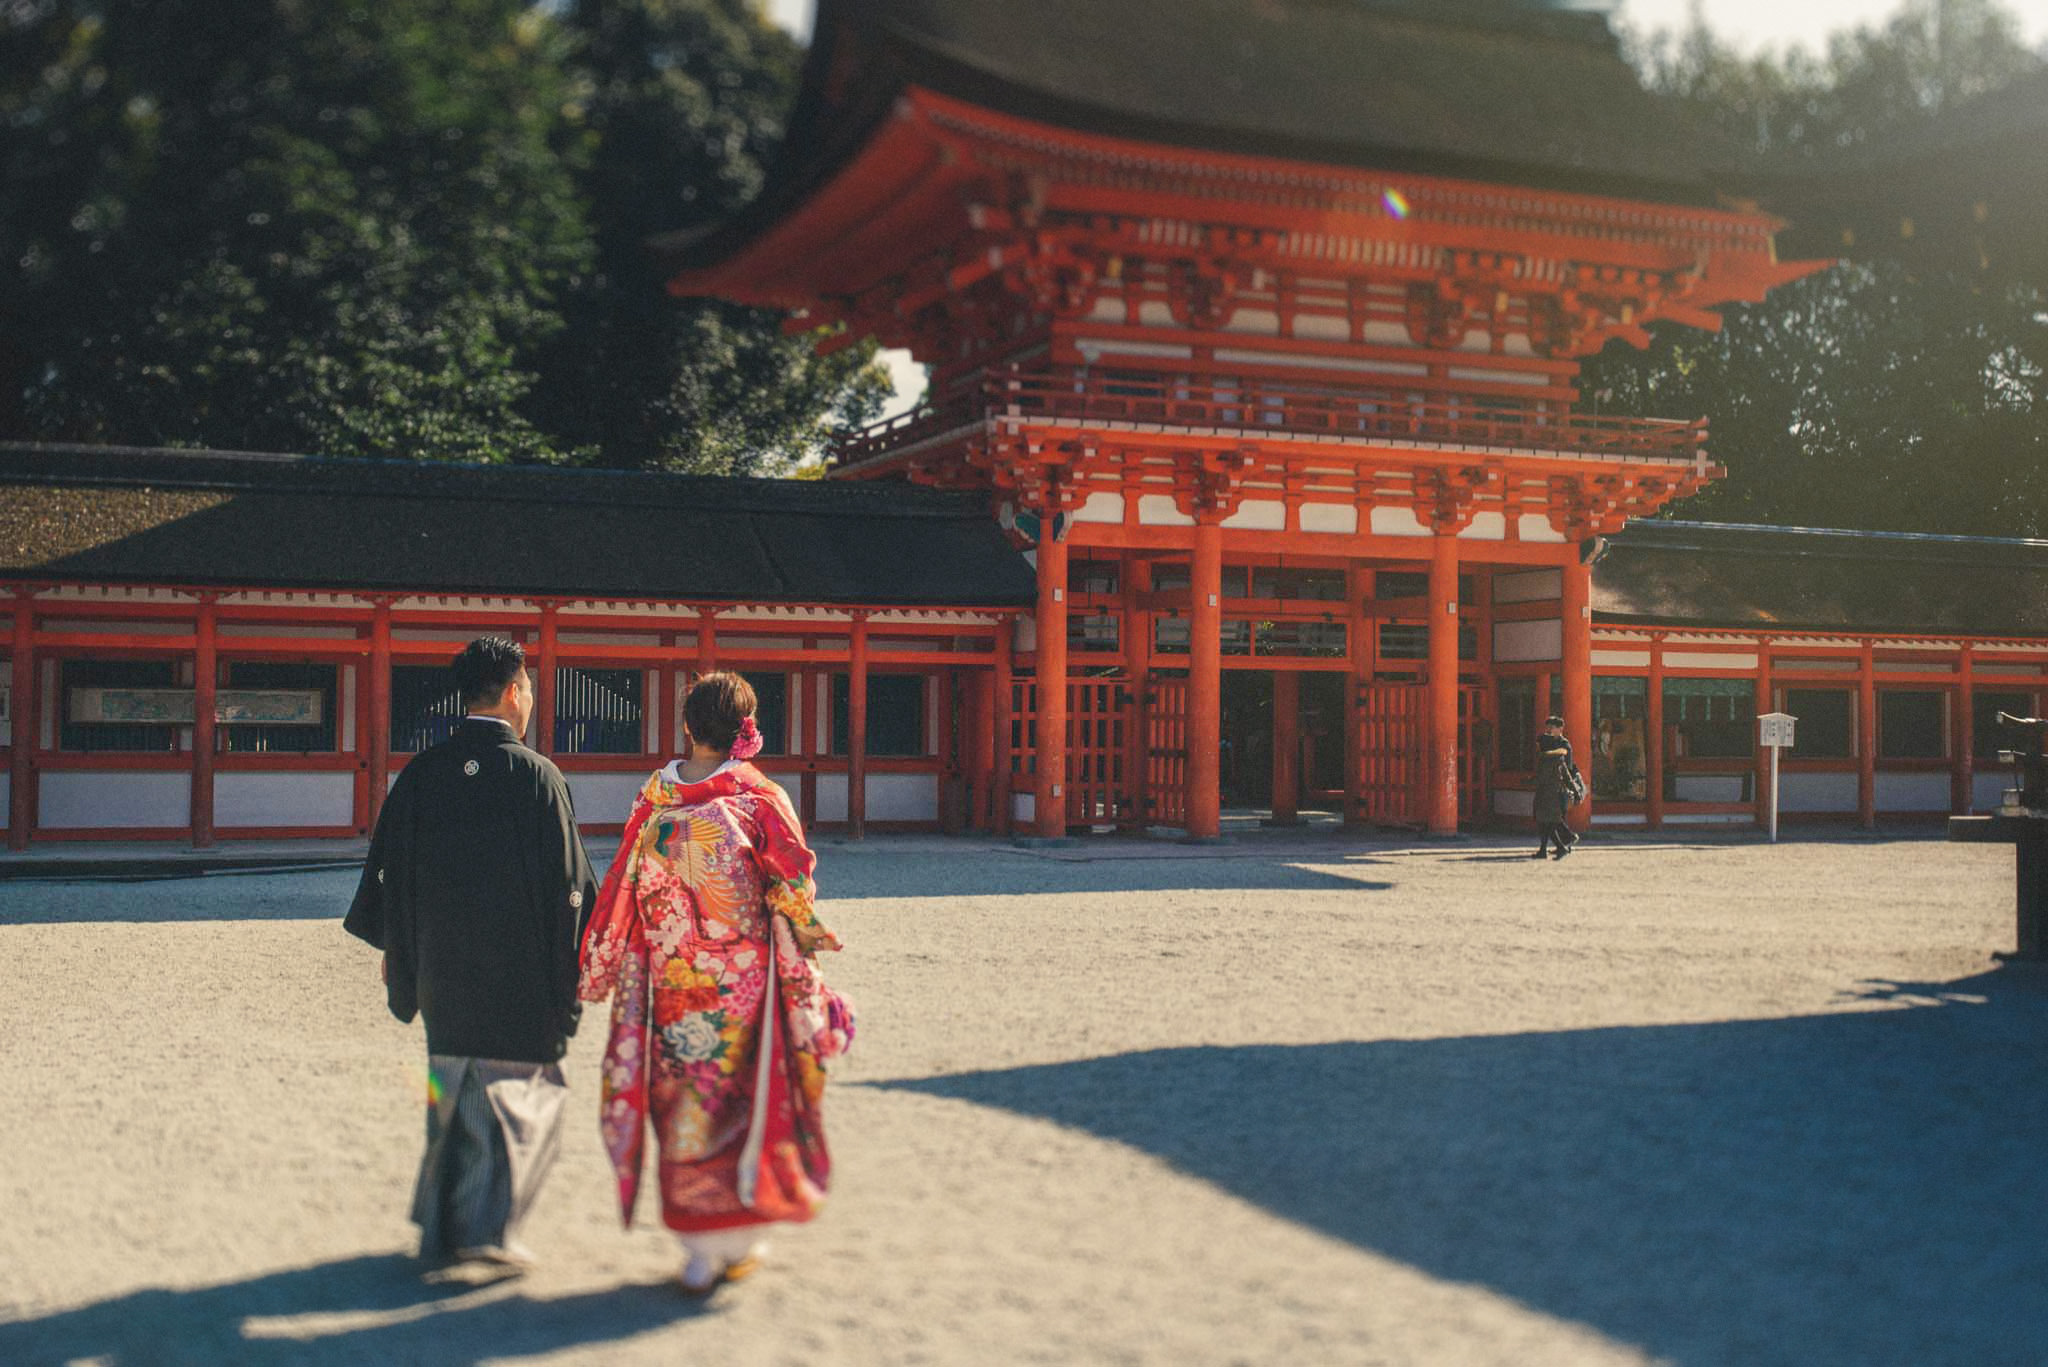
x=447, y=479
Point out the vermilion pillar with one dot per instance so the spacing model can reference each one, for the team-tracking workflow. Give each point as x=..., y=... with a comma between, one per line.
x=1965, y=795
x=1003, y=716
x=205, y=676
x=1441, y=771
x=1205, y=684
x=1286, y=746
x=1049, y=801
x=665, y=704
x=1578, y=669
x=377, y=736
x=544, y=684
x=707, y=642
x=1653, y=739
x=952, y=763
x=857, y=729
x=25, y=711
x=1866, y=740
x=981, y=746
x=1358, y=644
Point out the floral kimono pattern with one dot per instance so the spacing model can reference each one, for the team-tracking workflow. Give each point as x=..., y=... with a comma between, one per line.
x=703, y=936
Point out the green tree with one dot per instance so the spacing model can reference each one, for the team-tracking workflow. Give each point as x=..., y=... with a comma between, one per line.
x=1865, y=396
x=685, y=102
x=284, y=224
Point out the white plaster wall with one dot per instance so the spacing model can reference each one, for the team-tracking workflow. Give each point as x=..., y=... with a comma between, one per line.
x=831, y=797
x=1912, y=792
x=1708, y=819
x=287, y=799
x=1675, y=660
x=1485, y=527
x=1259, y=514
x=1340, y=518
x=1322, y=326
x=1158, y=510
x=1388, y=521
x=1536, y=527
x=1514, y=802
x=1817, y=792
x=903, y=797
x=70, y=801
x=1023, y=808
x=1528, y=586
x=1709, y=787
x=1622, y=659
x=1987, y=788
x=604, y=799
x=1101, y=507
x=1538, y=640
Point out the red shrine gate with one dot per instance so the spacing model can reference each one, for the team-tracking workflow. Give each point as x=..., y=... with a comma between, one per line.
x=1246, y=411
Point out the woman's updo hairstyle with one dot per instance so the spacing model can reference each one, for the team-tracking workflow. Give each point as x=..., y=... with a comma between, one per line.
x=715, y=707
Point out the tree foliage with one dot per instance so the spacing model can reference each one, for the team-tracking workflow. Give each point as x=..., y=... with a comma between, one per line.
x=285, y=224
x=685, y=100
x=1865, y=396
x=408, y=228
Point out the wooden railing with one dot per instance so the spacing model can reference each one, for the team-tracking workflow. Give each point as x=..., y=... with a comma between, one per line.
x=1266, y=405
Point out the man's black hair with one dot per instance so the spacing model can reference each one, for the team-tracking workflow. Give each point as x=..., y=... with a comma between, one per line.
x=484, y=668
x=1553, y=721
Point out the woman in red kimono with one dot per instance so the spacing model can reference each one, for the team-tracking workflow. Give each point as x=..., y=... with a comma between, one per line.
x=704, y=936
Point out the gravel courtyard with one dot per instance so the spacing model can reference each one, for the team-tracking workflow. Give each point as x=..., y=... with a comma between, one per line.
x=1289, y=1100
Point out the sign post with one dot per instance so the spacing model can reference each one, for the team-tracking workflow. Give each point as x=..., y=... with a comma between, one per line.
x=1774, y=733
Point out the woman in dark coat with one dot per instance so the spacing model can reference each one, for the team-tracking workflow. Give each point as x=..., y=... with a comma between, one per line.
x=1557, y=789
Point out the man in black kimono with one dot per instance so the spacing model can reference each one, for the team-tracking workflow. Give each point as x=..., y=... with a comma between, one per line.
x=1558, y=790
x=477, y=890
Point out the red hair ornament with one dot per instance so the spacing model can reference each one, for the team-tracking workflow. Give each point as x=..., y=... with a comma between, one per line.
x=747, y=743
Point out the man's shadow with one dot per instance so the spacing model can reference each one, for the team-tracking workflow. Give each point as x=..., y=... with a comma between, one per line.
x=370, y=1309
x=1852, y=1188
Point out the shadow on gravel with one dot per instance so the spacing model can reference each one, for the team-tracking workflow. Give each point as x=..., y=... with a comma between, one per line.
x=1858, y=1188
x=368, y=1310
x=270, y=895
x=974, y=873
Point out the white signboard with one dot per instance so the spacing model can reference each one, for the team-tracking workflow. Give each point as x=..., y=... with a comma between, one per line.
x=1774, y=733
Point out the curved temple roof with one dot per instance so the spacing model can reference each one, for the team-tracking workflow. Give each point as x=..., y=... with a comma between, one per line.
x=1496, y=90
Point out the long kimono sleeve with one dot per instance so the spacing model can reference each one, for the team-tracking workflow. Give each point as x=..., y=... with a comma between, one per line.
x=382, y=912
x=614, y=919
x=786, y=866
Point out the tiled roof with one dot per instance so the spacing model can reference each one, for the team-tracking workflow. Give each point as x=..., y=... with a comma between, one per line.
x=1731, y=575
x=157, y=516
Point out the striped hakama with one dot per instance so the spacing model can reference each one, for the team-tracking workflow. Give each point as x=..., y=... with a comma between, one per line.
x=493, y=1130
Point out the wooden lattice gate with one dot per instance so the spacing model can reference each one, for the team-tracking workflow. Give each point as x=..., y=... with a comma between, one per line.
x=1393, y=753
x=1393, y=729
x=1165, y=713
x=1100, y=713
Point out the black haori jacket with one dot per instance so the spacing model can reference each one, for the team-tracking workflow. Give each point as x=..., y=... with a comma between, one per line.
x=477, y=889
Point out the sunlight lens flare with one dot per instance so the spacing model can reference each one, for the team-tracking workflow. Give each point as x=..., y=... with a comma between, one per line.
x=1396, y=202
